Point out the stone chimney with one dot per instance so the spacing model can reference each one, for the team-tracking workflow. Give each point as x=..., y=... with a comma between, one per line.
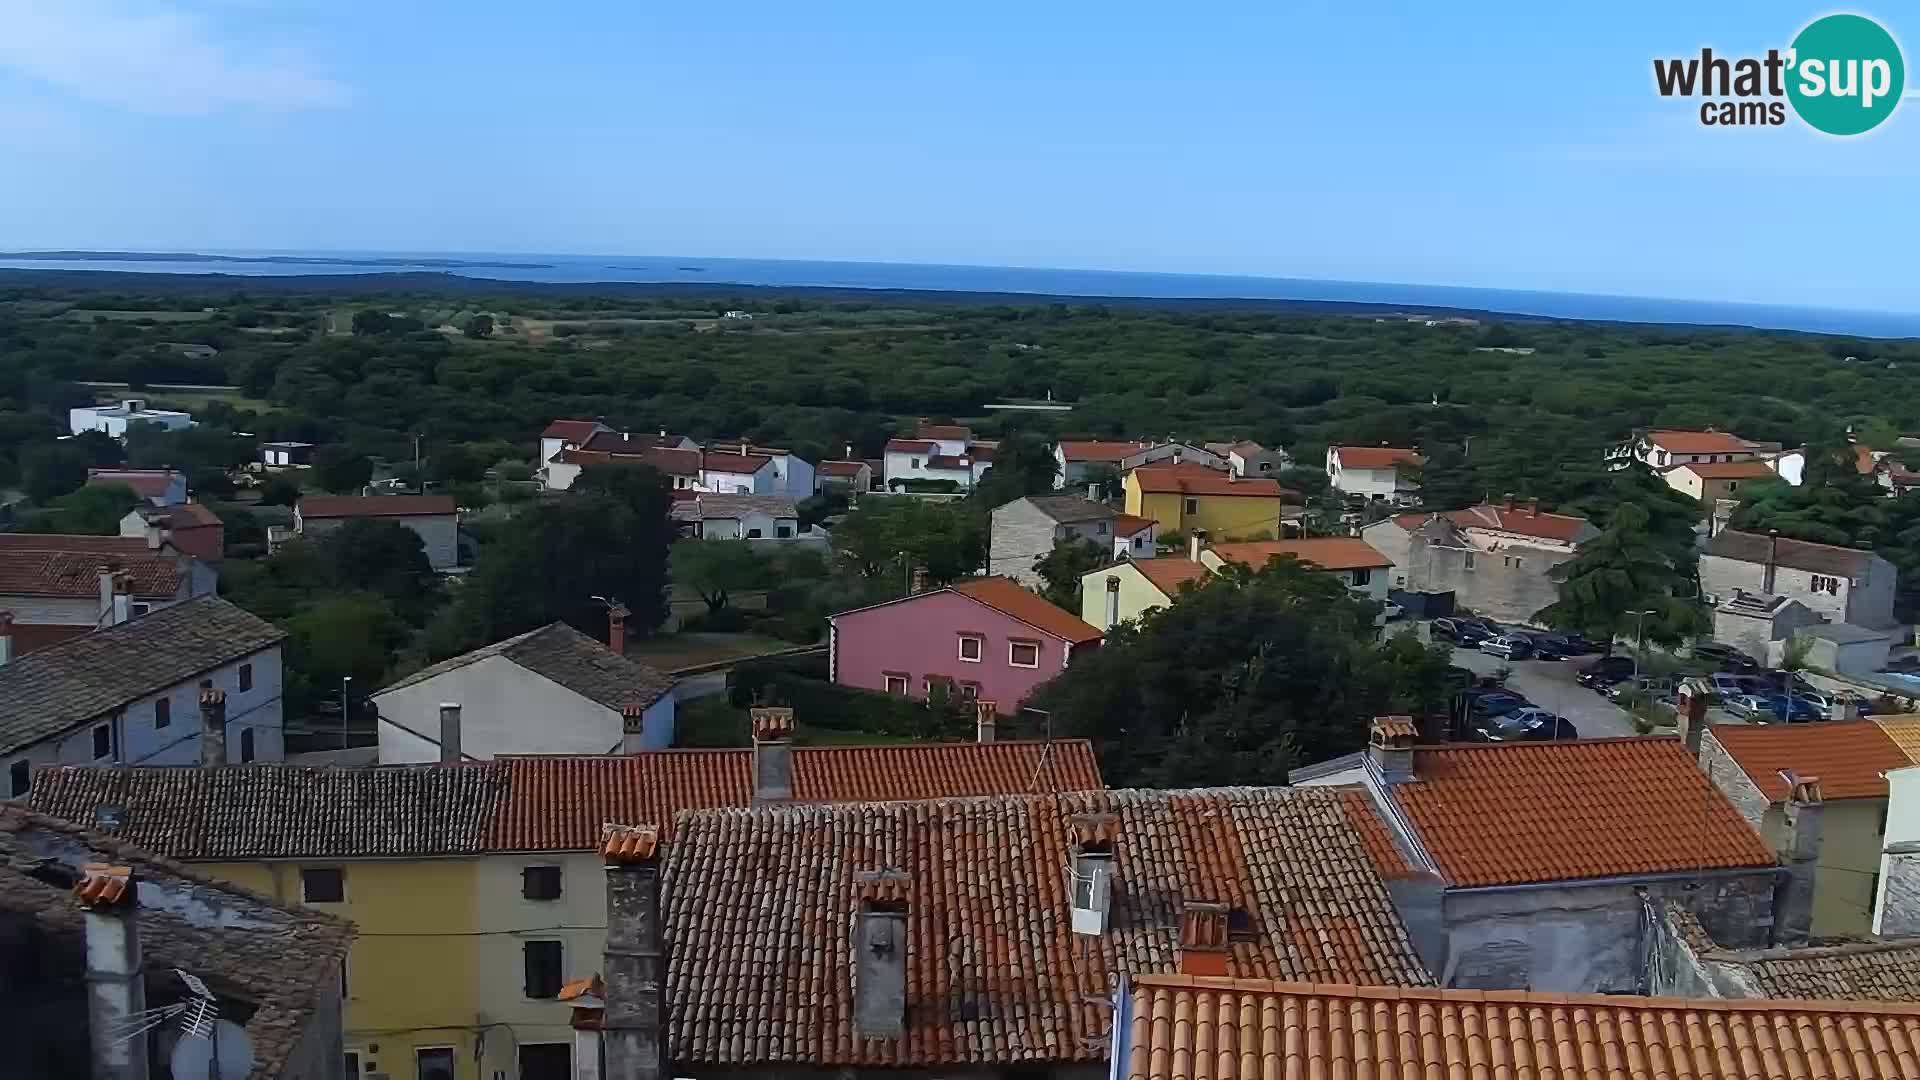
x=156, y=534
x=1093, y=838
x=1113, y=602
x=122, y=598
x=6, y=638
x=1773, y=558
x=632, y=1021
x=106, y=573
x=1390, y=743
x=880, y=955
x=116, y=972
x=772, y=753
x=1195, y=541
x=986, y=720
x=1203, y=938
x=1693, y=721
x=1506, y=503
x=1800, y=852
x=449, y=732
x=213, y=724
x=1533, y=507
x=919, y=581
x=617, y=629
x=633, y=727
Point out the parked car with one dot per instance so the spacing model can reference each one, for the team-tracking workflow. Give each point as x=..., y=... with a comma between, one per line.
x=1540, y=724
x=1604, y=672
x=1578, y=642
x=1725, y=658
x=1645, y=685
x=1825, y=700
x=1548, y=645
x=1459, y=631
x=1793, y=709
x=1508, y=646
x=1777, y=682
x=1747, y=706
x=1474, y=705
x=1391, y=611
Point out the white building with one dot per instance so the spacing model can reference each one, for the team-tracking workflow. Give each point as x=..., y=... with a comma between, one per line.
x=1026, y=529
x=737, y=474
x=130, y=694
x=113, y=419
x=714, y=516
x=1663, y=449
x=793, y=476
x=549, y=691
x=1173, y=453
x=1077, y=459
x=434, y=518
x=1246, y=458
x=567, y=444
x=286, y=454
x=1374, y=473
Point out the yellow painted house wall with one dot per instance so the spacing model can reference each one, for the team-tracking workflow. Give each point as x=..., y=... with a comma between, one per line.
x=413, y=973
x=1844, y=877
x=1137, y=594
x=1223, y=517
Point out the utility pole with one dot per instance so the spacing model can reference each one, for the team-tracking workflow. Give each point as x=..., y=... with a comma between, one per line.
x=1640, y=635
x=346, y=707
x=419, y=478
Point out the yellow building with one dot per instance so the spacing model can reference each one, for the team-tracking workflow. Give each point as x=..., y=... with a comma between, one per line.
x=1128, y=590
x=1191, y=498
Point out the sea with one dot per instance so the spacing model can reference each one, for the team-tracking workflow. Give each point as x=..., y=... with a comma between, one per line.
x=796, y=273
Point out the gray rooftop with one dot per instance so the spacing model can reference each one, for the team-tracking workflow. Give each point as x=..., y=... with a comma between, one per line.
x=733, y=507
x=1844, y=633
x=1327, y=768
x=1070, y=509
x=48, y=691
x=566, y=656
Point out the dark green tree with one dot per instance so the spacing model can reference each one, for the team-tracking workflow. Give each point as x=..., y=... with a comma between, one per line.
x=1063, y=567
x=1623, y=583
x=338, y=468
x=716, y=569
x=1023, y=464
x=885, y=537
x=456, y=464
x=50, y=470
x=1447, y=481
x=280, y=489
x=385, y=559
x=480, y=326
x=94, y=509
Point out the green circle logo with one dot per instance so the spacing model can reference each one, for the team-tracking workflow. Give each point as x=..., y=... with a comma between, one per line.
x=1846, y=74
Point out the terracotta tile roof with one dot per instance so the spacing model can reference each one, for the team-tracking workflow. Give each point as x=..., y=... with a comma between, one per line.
x=948, y=461
x=994, y=974
x=1904, y=731
x=1009, y=598
x=1376, y=457
x=746, y=464
x=570, y=430
x=714, y=506
x=948, y=432
x=669, y=460
x=284, y=811
x=188, y=516
x=1388, y=860
x=372, y=506
x=1169, y=571
x=1191, y=479
x=1326, y=552
x=561, y=803
x=73, y=542
x=1510, y=814
x=631, y=442
x=1198, y=1028
x=1728, y=470
x=1699, y=442
x=910, y=446
x=1799, y=554
x=1848, y=758
x=566, y=656
x=29, y=572
x=1092, y=451
x=1868, y=969
x=146, y=483
x=1565, y=528
x=285, y=961
x=1128, y=524
x=52, y=689
x=842, y=468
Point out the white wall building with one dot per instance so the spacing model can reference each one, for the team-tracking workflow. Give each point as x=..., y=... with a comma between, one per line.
x=711, y=516
x=434, y=518
x=1374, y=473
x=113, y=419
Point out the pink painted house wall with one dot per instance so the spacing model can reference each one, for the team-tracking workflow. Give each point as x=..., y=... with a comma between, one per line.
x=920, y=636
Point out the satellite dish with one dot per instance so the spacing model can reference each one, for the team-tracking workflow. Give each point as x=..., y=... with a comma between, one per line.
x=226, y=1055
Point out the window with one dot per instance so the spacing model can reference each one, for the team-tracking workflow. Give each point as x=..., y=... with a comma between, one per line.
x=20, y=778
x=102, y=741
x=351, y=1065
x=1101, y=528
x=970, y=691
x=916, y=462
x=753, y=534
x=942, y=683
x=540, y=882
x=433, y=1063
x=246, y=746
x=323, y=885
x=972, y=647
x=783, y=532
x=543, y=968
x=1733, y=485
x=246, y=677
x=1362, y=575
x=1468, y=564
x=1829, y=585
x=162, y=713
x=1192, y=506
x=1023, y=653
x=1138, y=543
x=140, y=608
x=896, y=684
x=546, y=1061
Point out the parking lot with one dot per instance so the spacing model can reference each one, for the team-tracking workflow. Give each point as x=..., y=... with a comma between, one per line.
x=1549, y=684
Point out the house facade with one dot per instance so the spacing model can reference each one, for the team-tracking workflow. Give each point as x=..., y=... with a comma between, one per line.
x=131, y=694
x=738, y=517
x=433, y=518
x=938, y=453
x=566, y=435
x=189, y=528
x=1131, y=588
x=1194, y=498
x=1496, y=559
x=59, y=586
x=1661, y=449
x=158, y=487
x=680, y=466
x=288, y=455
x=1842, y=585
x=1711, y=481
x=986, y=639
x=1358, y=565
x=548, y=691
x=1374, y=473
x=114, y=419
x=793, y=476
x=1173, y=453
x=853, y=477
x=1247, y=458
x=1079, y=460
x=1026, y=530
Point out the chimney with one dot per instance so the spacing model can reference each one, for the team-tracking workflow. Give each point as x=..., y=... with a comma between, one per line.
x=1203, y=938
x=624, y=437
x=1195, y=540
x=6, y=638
x=1800, y=851
x=1093, y=837
x=1846, y=706
x=156, y=534
x=1507, y=503
x=1113, y=601
x=772, y=753
x=107, y=570
x=1693, y=721
x=919, y=580
x=213, y=724
x=1773, y=557
x=617, y=629
x=449, y=732
x=880, y=955
x=986, y=720
x=1093, y=492
x=1390, y=747
x=663, y=433
x=632, y=1021
x=1533, y=507
x=122, y=598
x=849, y=452
x=588, y=1000
x=116, y=972
x=633, y=727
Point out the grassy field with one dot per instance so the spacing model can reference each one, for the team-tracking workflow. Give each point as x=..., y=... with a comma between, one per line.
x=90, y=314
x=188, y=400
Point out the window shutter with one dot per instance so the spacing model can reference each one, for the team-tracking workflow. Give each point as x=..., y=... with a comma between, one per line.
x=532, y=956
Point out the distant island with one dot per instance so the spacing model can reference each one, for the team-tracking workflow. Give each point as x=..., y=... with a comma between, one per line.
x=283, y=260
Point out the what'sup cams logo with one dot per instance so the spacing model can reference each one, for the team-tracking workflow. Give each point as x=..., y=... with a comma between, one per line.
x=1843, y=75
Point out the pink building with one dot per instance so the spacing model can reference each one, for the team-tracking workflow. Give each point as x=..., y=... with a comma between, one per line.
x=990, y=638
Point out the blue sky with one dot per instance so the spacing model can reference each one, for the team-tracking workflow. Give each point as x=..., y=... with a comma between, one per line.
x=1491, y=144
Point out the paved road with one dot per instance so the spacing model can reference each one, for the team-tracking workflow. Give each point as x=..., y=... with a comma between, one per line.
x=1549, y=684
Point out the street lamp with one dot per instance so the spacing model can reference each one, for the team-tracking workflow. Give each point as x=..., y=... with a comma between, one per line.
x=346, y=707
x=1640, y=636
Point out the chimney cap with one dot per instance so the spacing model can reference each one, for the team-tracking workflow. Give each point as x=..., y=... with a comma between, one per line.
x=1802, y=789
x=628, y=845
x=771, y=723
x=631, y=708
x=1393, y=732
x=1094, y=833
x=882, y=887
x=103, y=886
x=214, y=696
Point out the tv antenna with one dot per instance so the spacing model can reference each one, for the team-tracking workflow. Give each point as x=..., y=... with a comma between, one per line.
x=206, y=1047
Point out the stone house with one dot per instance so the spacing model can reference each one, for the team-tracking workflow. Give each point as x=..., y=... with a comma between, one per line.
x=1842, y=585
x=434, y=518
x=1496, y=560
x=1026, y=529
x=1710, y=482
x=1758, y=625
x=57, y=586
x=1851, y=969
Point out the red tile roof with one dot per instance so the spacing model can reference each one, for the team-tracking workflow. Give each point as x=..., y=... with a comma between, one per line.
x=146, y=483
x=571, y=430
x=561, y=803
x=74, y=542
x=1169, y=572
x=27, y=572
x=715, y=461
x=948, y=432
x=1192, y=479
x=910, y=446
x=1848, y=758
x=1128, y=524
x=1564, y=528
x=842, y=468
x=190, y=516
x=1326, y=552
x=1728, y=470
x=995, y=975
x=1376, y=457
x=1098, y=450
x=370, y=506
x=1388, y=859
x=673, y=462
x=1699, y=442
x=1201, y=1028
x=1510, y=814
x=1009, y=598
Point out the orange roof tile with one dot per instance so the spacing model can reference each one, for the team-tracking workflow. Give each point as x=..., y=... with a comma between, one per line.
x=571, y=430
x=1387, y=857
x=101, y=885
x=1728, y=470
x=630, y=843
x=369, y=506
x=1376, y=457
x=1556, y=811
x=1128, y=524
x=1520, y=520
x=1098, y=450
x=995, y=975
x=1168, y=573
x=1904, y=730
x=1848, y=758
x=1326, y=552
x=1188, y=478
x=1008, y=598
x=1199, y=1028
x=1699, y=442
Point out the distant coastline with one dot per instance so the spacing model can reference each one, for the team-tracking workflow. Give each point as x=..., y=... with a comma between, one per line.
x=268, y=260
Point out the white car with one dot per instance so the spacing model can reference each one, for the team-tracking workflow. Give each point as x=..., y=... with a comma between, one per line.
x=1747, y=706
